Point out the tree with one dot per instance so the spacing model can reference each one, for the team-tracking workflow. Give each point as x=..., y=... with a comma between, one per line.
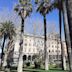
x=24, y=8
x=44, y=7
x=7, y=31
x=67, y=28
x=67, y=34
x=58, y=4
x=60, y=28
x=38, y=60
x=69, y=15
x=8, y=56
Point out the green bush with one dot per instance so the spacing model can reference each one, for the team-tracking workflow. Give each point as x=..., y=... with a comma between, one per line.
x=37, y=64
x=28, y=64
x=52, y=66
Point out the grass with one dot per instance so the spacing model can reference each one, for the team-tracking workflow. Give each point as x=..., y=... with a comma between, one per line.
x=40, y=70
x=31, y=69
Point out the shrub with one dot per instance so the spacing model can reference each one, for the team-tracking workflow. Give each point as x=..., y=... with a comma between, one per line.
x=28, y=64
x=37, y=64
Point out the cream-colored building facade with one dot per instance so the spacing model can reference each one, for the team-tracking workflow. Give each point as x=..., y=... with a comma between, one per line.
x=33, y=45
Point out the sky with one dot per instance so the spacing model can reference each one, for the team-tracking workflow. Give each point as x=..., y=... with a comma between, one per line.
x=7, y=13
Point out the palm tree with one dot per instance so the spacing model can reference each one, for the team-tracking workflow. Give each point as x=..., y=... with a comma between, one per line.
x=60, y=27
x=24, y=8
x=67, y=35
x=62, y=48
x=44, y=7
x=7, y=31
x=66, y=29
x=58, y=4
x=69, y=15
x=7, y=56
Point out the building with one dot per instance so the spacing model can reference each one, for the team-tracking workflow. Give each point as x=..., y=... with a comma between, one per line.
x=35, y=44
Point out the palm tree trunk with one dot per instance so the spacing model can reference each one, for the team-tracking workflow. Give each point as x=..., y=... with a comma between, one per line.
x=20, y=63
x=2, y=54
x=57, y=50
x=6, y=53
x=67, y=36
x=62, y=49
x=45, y=46
x=5, y=60
x=69, y=14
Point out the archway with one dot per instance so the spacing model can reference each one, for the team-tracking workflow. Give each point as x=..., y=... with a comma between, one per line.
x=29, y=57
x=33, y=57
x=24, y=57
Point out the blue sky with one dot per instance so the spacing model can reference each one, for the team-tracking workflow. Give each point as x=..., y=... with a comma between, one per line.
x=7, y=13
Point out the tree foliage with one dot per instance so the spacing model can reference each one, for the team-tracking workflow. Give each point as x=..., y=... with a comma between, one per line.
x=23, y=6
x=44, y=6
x=7, y=28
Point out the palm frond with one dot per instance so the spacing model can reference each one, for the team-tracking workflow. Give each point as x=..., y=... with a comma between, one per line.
x=25, y=5
x=44, y=8
x=8, y=28
x=36, y=1
x=40, y=7
x=57, y=4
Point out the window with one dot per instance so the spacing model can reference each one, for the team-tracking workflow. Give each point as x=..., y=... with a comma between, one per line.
x=55, y=46
x=29, y=44
x=33, y=44
x=49, y=50
x=33, y=50
x=56, y=50
x=49, y=45
x=25, y=36
x=41, y=42
x=33, y=57
x=52, y=46
x=25, y=50
x=25, y=44
x=37, y=49
x=53, y=56
x=24, y=57
x=29, y=49
x=38, y=41
x=25, y=39
x=59, y=51
x=52, y=42
x=52, y=50
x=52, y=37
x=59, y=56
x=49, y=36
x=29, y=57
x=30, y=40
x=58, y=42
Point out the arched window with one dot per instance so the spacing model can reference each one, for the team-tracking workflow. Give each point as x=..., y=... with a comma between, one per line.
x=24, y=57
x=33, y=57
x=29, y=57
